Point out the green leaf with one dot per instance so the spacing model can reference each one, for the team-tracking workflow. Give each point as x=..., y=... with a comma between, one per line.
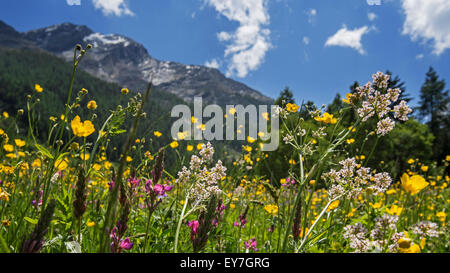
x=44, y=151
x=32, y=221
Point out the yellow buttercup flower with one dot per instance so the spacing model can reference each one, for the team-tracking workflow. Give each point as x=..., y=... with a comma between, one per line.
x=447, y=158
x=182, y=135
x=129, y=158
x=232, y=111
x=201, y=127
x=38, y=88
x=61, y=164
x=90, y=224
x=174, y=144
x=189, y=148
x=292, y=107
x=333, y=205
x=413, y=184
x=5, y=115
x=92, y=105
x=157, y=133
x=411, y=161
x=441, y=215
x=84, y=156
x=82, y=129
x=326, y=118
x=250, y=139
x=194, y=119
x=36, y=163
x=265, y=115
x=350, y=141
x=124, y=91
x=394, y=210
x=271, y=209
x=424, y=168
x=19, y=143
x=8, y=148
x=348, y=98
x=199, y=146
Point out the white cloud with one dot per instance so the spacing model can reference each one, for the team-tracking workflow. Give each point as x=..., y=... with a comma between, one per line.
x=420, y=57
x=372, y=16
x=212, y=64
x=306, y=40
x=113, y=7
x=348, y=38
x=73, y=2
x=428, y=20
x=247, y=46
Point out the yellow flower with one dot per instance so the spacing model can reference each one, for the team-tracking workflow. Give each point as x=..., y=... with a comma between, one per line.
x=333, y=205
x=394, y=210
x=90, y=224
x=312, y=182
x=232, y=206
x=376, y=205
x=292, y=107
x=391, y=191
x=261, y=134
x=410, y=161
x=247, y=148
x=19, y=142
x=194, y=119
x=129, y=158
x=424, y=168
x=265, y=115
x=36, y=163
x=271, y=209
x=441, y=215
x=174, y=144
x=82, y=129
x=5, y=115
x=84, y=156
x=201, y=127
x=232, y=111
x=11, y=155
x=61, y=164
x=348, y=98
x=182, y=135
x=124, y=91
x=199, y=146
x=250, y=139
x=447, y=158
x=189, y=148
x=407, y=246
x=8, y=148
x=350, y=141
x=38, y=88
x=414, y=184
x=326, y=118
x=157, y=133
x=92, y=105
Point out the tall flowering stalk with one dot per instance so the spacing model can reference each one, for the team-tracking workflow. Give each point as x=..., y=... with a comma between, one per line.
x=79, y=204
x=36, y=240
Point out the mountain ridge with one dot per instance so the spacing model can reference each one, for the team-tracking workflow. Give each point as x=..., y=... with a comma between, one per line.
x=117, y=58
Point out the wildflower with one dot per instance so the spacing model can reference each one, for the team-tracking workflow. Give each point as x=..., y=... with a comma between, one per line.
x=350, y=141
x=61, y=164
x=356, y=234
x=92, y=105
x=8, y=148
x=36, y=241
x=194, y=119
x=124, y=91
x=250, y=139
x=200, y=146
x=38, y=88
x=201, y=127
x=265, y=115
x=424, y=168
x=394, y=210
x=36, y=163
x=292, y=107
x=194, y=228
x=271, y=209
x=251, y=244
x=79, y=204
x=385, y=126
x=411, y=161
x=232, y=111
x=413, y=184
x=5, y=115
x=174, y=144
x=19, y=143
x=189, y=148
x=90, y=224
x=6, y=223
x=447, y=158
x=333, y=205
x=405, y=245
x=84, y=156
x=425, y=229
x=157, y=133
x=348, y=98
x=326, y=118
x=182, y=135
x=126, y=244
x=4, y=195
x=82, y=129
x=441, y=215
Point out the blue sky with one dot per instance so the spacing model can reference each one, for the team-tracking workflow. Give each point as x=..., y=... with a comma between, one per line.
x=317, y=48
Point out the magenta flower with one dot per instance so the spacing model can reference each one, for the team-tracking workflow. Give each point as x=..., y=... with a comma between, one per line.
x=194, y=228
x=251, y=244
x=126, y=244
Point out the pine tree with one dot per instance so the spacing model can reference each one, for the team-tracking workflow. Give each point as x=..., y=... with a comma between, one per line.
x=434, y=109
x=286, y=96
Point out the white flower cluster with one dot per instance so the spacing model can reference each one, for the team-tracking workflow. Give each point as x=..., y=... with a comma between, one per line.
x=352, y=180
x=205, y=180
x=425, y=229
x=378, y=101
x=356, y=234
